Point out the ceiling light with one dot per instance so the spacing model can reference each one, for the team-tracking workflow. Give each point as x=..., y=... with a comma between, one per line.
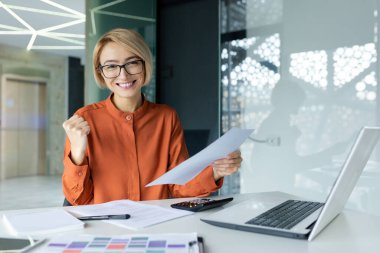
x=54, y=13
x=31, y=41
x=64, y=8
x=17, y=17
x=56, y=27
x=71, y=41
x=58, y=47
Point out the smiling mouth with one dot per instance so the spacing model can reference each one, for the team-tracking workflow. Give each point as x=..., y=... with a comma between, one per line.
x=126, y=85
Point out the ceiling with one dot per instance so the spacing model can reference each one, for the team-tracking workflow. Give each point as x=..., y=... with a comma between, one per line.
x=53, y=26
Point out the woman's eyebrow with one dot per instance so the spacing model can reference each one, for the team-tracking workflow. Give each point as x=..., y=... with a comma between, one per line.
x=110, y=61
x=132, y=58
x=116, y=61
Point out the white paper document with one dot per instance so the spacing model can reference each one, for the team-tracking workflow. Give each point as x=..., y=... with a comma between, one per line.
x=142, y=215
x=220, y=148
x=39, y=222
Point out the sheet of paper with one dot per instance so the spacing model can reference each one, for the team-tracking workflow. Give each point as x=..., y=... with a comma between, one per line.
x=142, y=243
x=220, y=148
x=142, y=215
x=39, y=222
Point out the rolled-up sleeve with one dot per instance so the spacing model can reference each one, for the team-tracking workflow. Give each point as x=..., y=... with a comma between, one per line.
x=76, y=180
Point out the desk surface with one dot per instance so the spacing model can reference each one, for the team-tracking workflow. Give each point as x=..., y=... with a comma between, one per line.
x=351, y=231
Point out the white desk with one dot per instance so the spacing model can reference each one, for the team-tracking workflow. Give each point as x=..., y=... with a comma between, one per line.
x=351, y=231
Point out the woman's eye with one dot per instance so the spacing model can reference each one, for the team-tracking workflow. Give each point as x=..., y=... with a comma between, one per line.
x=131, y=63
x=110, y=67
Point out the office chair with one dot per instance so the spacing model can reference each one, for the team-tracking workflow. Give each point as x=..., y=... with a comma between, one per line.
x=66, y=202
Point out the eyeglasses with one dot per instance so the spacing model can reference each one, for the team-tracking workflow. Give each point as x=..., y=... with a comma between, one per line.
x=113, y=70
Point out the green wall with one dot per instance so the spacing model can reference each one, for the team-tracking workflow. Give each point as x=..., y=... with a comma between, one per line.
x=102, y=16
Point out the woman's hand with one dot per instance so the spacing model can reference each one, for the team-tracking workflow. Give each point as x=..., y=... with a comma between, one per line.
x=227, y=166
x=77, y=130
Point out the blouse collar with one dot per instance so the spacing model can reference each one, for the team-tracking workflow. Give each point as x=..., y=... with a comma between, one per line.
x=120, y=114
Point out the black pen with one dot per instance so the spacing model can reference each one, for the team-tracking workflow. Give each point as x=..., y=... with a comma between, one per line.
x=106, y=217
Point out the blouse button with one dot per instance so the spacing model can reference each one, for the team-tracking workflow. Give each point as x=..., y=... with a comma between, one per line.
x=129, y=117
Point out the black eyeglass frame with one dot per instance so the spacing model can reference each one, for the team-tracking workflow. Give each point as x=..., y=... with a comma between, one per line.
x=100, y=68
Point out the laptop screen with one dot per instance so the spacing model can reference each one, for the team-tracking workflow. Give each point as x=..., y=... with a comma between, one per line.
x=347, y=178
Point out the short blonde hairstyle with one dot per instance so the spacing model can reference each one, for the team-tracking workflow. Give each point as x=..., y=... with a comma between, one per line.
x=133, y=42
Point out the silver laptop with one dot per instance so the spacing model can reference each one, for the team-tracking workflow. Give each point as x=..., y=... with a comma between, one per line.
x=272, y=214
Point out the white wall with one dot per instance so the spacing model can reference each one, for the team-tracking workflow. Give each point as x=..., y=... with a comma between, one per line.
x=53, y=69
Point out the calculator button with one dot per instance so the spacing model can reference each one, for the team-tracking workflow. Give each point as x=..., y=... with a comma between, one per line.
x=197, y=205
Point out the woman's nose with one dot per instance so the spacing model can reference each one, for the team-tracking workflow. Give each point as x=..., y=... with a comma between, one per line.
x=123, y=72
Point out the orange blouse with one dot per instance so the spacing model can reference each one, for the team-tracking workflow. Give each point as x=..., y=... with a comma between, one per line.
x=125, y=152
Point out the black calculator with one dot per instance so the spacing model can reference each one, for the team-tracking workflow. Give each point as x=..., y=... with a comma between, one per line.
x=197, y=205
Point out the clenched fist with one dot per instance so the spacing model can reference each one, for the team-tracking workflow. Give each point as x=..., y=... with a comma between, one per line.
x=77, y=130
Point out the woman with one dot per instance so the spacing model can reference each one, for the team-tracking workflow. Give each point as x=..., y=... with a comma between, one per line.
x=117, y=146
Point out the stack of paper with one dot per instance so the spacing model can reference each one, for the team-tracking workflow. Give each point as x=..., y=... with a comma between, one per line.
x=41, y=222
x=142, y=215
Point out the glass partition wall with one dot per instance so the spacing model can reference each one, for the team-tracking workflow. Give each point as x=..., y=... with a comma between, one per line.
x=303, y=74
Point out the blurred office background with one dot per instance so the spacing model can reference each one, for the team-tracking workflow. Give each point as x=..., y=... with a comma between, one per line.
x=303, y=74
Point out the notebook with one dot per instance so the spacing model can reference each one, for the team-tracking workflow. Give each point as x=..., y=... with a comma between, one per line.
x=37, y=222
x=255, y=215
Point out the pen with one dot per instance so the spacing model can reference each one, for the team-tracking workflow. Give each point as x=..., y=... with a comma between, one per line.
x=106, y=217
x=191, y=245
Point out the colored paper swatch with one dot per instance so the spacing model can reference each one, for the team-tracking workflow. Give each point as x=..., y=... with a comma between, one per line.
x=158, y=243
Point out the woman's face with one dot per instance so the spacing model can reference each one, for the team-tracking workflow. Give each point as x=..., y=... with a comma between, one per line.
x=126, y=85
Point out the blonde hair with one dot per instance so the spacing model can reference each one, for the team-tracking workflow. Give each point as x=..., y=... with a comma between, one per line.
x=129, y=39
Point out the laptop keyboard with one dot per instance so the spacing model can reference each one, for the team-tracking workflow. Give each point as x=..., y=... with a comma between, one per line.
x=286, y=215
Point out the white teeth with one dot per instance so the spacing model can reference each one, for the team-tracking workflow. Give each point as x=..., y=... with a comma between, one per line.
x=125, y=85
